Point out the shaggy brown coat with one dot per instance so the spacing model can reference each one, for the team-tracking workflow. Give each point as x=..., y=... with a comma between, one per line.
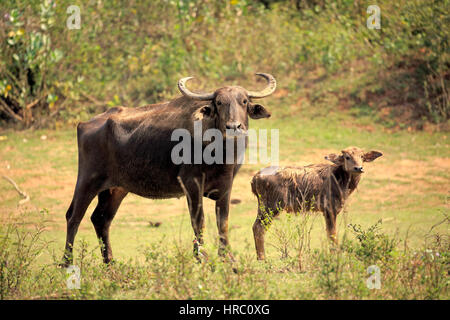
x=316, y=187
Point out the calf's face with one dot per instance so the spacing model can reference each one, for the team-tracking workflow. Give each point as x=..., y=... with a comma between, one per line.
x=352, y=159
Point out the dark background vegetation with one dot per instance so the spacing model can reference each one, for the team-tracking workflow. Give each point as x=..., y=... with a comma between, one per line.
x=133, y=52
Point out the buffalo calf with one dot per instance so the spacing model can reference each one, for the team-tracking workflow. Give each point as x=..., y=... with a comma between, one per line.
x=316, y=187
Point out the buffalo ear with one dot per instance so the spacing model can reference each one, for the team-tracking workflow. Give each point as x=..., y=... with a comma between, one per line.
x=257, y=111
x=335, y=158
x=371, y=155
x=202, y=112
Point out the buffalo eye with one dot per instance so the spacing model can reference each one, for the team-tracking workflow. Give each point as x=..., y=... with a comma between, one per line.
x=347, y=157
x=206, y=110
x=244, y=102
x=218, y=103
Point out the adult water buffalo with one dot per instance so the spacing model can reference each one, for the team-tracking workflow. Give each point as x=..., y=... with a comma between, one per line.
x=129, y=150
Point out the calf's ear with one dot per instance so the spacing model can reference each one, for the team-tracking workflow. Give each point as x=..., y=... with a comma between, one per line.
x=371, y=155
x=206, y=111
x=335, y=158
x=257, y=111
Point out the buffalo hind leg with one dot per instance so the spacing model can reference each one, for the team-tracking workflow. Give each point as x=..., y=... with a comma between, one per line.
x=262, y=223
x=84, y=193
x=108, y=203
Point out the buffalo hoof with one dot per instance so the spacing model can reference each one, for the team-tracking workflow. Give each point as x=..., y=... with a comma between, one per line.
x=110, y=262
x=64, y=264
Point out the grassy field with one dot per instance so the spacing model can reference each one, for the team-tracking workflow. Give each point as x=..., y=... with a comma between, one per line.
x=407, y=189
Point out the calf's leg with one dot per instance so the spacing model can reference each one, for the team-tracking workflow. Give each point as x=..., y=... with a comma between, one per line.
x=262, y=223
x=258, y=233
x=330, y=221
x=197, y=220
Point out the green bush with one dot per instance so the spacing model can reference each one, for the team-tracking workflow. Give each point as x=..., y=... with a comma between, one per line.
x=19, y=249
x=134, y=54
x=373, y=246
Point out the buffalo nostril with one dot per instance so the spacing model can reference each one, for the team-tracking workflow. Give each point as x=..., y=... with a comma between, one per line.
x=233, y=125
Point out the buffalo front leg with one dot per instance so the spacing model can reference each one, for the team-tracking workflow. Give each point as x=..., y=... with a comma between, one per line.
x=258, y=234
x=108, y=203
x=222, y=211
x=194, y=193
x=197, y=221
